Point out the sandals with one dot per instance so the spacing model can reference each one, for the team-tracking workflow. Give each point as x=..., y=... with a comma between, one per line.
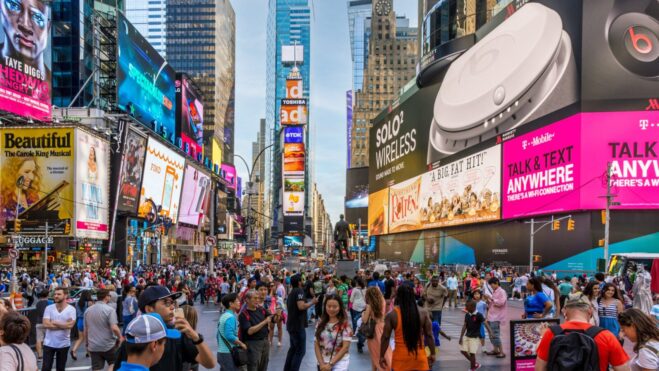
x=501, y=355
x=491, y=353
x=73, y=355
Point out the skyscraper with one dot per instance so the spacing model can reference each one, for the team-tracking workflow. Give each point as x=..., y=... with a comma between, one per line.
x=359, y=13
x=390, y=65
x=205, y=49
x=150, y=18
x=289, y=23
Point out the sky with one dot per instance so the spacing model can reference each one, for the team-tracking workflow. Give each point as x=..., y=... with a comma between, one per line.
x=331, y=77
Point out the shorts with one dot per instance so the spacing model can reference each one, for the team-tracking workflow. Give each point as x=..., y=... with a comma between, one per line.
x=524, y=289
x=80, y=324
x=470, y=345
x=41, y=332
x=100, y=358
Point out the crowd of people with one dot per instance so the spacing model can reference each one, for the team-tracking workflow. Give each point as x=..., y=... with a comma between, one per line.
x=146, y=318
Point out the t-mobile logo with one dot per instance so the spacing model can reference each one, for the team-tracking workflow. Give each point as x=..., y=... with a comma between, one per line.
x=644, y=124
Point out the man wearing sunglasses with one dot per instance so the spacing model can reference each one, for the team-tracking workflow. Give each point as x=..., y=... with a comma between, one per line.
x=190, y=348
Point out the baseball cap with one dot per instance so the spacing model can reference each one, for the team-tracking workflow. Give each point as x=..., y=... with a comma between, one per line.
x=147, y=328
x=154, y=293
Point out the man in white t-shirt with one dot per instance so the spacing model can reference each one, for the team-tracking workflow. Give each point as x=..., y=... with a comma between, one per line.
x=58, y=319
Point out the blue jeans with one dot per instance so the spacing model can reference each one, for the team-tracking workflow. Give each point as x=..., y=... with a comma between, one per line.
x=296, y=351
x=355, y=316
x=127, y=320
x=437, y=317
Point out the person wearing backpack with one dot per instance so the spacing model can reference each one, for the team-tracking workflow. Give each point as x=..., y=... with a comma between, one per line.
x=576, y=345
x=641, y=330
x=254, y=324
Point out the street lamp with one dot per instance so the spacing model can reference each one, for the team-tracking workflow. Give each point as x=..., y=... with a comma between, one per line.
x=250, y=184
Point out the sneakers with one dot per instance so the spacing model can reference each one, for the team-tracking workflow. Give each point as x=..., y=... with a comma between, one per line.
x=478, y=365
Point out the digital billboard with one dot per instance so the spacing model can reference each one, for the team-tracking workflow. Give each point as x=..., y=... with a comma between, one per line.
x=294, y=134
x=293, y=112
x=216, y=154
x=92, y=186
x=230, y=175
x=294, y=241
x=195, y=196
x=131, y=172
x=356, y=198
x=294, y=156
x=162, y=181
x=293, y=196
x=349, y=126
x=25, y=66
x=378, y=212
x=38, y=177
x=292, y=54
x=190, y=116
x=145, y=82
x=294, y=88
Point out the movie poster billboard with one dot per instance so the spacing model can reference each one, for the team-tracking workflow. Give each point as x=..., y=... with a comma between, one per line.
x=25, y=66
x=463, y=191
x=92, y=185
x=541, y=170
x=294, y=156
x=190, y=117
x=162, y=181
x=293, y=196
x=37, y=180
x=195, y=196
x=145, y=82
x=629, y=142
x=293, y=111
x=378, y=212
x=131, y=172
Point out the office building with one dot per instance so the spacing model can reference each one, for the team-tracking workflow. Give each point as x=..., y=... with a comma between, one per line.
x=289, y=23
x=359, y=14
x=390, y=65
x=205, y=49
x=150, y=18
x=258, y=202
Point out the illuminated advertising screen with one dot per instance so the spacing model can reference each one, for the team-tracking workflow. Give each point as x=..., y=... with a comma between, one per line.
x=294, y=156
x=145, y=82
x=294, y=88
x=25, y=66
x=349, y=126
x=195, y=196
x=131, y=172
x=294, y=134
x=92, y=186
x=356, y=199
x=162, y=181
x=37, y=180
x=230, y=175
x=378, y=212
x=216, y=154
x=190, y=114
x=293, y=196
x=294, y=241
x=293, y=111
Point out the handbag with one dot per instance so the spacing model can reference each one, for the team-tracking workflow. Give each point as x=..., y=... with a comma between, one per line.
x=19, y=357
x=238, y=354
x=368, y=329
x=333, y=346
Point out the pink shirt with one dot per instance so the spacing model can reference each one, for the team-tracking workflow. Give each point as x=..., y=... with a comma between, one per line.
x=497, y=306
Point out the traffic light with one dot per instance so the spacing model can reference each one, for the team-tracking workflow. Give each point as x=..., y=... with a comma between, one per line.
x=17, y=225
x=537, y=258
x=600, y=242
x=556, y=225
x=67, y=228
x=603, y=216
x=570, y=224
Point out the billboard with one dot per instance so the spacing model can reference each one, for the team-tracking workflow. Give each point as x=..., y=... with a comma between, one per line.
x=92, y=186
x=25, y=66
x=131, y=172
x=294, y=134
x=541, y=170
x=292, y=54
x=294, y=156
x=294, y=88
x=216, y=154
x=190, y=117
x=378, y=212
x=356, y=199
x=349, y=126
x=195, y=196
x=162, y=181
x=230, y=175
x=293, y=196
x=294, y=241
x=293, y=112
x=145, y=82
x=37, y=176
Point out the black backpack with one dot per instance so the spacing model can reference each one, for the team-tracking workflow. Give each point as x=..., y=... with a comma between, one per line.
x=573, y=350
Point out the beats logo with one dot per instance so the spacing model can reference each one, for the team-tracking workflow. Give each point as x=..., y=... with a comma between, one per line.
x=641, y=43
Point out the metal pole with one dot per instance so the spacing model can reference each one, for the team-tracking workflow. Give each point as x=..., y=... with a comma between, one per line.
x=608, y=217
x=45, y=256
x=13, y=273
x=211, y=259
x=359, y=246
x=531, y=246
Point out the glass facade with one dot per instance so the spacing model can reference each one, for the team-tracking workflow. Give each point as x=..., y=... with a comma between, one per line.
x=201, y=41
x=359, y=22
x=289, y=23
x=150, y=18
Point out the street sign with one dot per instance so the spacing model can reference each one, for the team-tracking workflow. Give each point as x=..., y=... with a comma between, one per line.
x=13, y=253
x=210, y=241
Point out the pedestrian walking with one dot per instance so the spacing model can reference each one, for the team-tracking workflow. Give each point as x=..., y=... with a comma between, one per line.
x=536, y=303
x=190, y=314
x=296, y=324
x=497, y=305
x=84, y=302
x=435, y=295
x=58, y=320
x=275, y=305
x=358, y=302
x=412, y=327
x=15, y=354
x=102, y=331
x=40, y=331
x=375, y=311
x=470, y=335
x=333, y=336
x=452, y=286
x=591, y=294
x=254, y=322
x=227, y=332
x=641, y=330
x=609, y=306
x=129, y=307
x=146, y=342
